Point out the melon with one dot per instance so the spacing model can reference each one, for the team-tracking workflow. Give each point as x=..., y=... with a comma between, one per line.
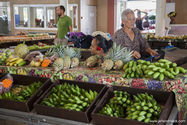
x=21, y=50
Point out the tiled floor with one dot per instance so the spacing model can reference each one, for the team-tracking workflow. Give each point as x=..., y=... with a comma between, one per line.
x=7, y=122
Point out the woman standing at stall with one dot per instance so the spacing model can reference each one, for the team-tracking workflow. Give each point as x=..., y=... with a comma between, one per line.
x=131, y=38
x=139, y=20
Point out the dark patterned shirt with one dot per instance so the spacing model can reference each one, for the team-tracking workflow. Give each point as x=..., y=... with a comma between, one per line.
x=139, y=44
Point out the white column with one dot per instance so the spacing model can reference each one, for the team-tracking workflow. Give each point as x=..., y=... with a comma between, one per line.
x=65, y=4
x=160, y=17
x=83, y=11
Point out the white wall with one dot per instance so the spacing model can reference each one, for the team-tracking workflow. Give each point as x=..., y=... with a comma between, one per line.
x=169, y=7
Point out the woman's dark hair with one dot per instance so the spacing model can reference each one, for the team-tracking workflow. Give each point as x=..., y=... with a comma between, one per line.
x=139, y=12
x=62, y=8
x=103, y=43
x=122, y=25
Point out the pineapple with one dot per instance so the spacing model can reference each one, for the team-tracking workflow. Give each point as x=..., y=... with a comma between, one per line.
x=119, y=55
x=58, y=65
x=74, y=62
x=108, y=64
x=67, y=62
x=75, y=59
x=91, y=61
x=69, y=54
x=118, y=64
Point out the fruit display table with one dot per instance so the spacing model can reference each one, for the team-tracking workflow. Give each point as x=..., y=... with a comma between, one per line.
x=114, y=77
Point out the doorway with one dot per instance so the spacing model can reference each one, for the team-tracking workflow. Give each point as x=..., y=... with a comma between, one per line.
x=92, y=17
x=5, y=18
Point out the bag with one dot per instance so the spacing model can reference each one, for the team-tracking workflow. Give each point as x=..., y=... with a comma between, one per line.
x=80, y=42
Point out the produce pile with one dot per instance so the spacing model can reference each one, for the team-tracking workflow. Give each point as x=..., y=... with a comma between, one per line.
x=15, y=61
x=21, y=93
x=4, y=55
x=15, y=58
x=142, y=107
x=176, y=37
x=36, y=47
x=115, y=58
x=70, y=97
x=158, y=70
x=59, y=57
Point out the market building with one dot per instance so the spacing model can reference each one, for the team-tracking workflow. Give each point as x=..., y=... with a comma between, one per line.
x=93, y=62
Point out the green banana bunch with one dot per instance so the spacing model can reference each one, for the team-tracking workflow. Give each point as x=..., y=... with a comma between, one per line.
x=28, y=91
x=70, y=97
x=112, y=110
x=8, y=95
x=132, y=70
x=144, y=108
x=117, y=104
x=162, y=69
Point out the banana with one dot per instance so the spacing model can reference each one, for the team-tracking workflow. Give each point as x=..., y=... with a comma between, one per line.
x=176, y=69
x=14, y=59
x=150, y=73
x=174, y=64
x=134, y=117
x=11, y=64
x=161, y=77
x=156, y=68
x=163, y=61
x=156, y=74
x=18, y=61
x=142, y=113
x=7, y=63
x=147, y=120
x=141, y=118
x=92, y=95
x=149, y=115
x=157, y=64
x=182, y=70
x=131, y=63
x=141, y=61
x=138, y=71
x=136, y=112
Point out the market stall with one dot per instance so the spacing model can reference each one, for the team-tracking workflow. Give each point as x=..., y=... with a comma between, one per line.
x=157, y=42
x=33, y=65
x=8, y=41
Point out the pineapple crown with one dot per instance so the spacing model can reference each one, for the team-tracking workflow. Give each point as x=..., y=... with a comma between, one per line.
x=72, y=52
x=50, y=52
x=67, y=51
x=119, y=53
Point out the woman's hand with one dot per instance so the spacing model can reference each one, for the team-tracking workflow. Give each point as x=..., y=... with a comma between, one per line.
x=136, y=55
x=154, y=53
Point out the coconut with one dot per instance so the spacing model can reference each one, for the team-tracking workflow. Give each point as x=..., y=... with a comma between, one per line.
x=21, y=50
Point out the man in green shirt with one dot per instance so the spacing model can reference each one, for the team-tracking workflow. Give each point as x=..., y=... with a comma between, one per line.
x=64, y=24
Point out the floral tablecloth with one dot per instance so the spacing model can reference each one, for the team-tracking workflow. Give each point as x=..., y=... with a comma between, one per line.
x=7, y=39
x=114, y=77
